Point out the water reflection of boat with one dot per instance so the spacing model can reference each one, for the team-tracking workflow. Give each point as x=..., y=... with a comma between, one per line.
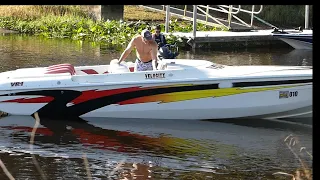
x=133, y=135
x=296, y=39
x=98, y=136
x=296, y=57
x=208, y=145
x=185, y=89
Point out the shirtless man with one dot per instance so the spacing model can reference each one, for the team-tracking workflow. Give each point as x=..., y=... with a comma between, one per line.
x=146, y=50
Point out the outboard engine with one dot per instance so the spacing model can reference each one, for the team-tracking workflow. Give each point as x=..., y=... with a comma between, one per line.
x=166, y=52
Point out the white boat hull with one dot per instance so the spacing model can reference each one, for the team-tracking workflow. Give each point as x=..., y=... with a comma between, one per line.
x=297, y=44
x=264, y=103
x=221, y=92
x=234, y=106
x=297, y=39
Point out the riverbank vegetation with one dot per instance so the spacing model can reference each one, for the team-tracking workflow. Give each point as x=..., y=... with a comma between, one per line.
x=75, y=23
x=286, y=16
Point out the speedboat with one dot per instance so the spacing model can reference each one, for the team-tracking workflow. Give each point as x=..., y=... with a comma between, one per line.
x=298, y=39
x=179, y=89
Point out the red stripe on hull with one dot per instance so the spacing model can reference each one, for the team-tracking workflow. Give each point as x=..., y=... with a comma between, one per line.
x=85, y=96
x=46, y=99
x=94, y=94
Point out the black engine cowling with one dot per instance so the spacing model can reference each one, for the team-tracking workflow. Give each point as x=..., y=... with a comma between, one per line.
x=165, y=52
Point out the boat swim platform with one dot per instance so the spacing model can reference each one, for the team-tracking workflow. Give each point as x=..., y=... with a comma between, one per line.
x=253, y=38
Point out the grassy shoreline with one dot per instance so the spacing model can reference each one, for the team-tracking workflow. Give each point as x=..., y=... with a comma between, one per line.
x=73, y=22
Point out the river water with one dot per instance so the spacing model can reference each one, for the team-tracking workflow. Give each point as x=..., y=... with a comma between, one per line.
x=139, y=149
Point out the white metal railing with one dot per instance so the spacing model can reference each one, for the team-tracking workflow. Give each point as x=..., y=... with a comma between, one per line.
x=261, y=7
x=215, y=9
x=230, y=13
x=203, y=14
x=230, y=10
x=208, y=15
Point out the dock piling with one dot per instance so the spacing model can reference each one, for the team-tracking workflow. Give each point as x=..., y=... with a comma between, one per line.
x=167, y=18
x=194, y=26
x=306, y=16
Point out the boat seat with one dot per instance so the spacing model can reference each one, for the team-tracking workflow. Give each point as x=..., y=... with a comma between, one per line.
x=115, y=68
x=61, y=68
x=118, y=68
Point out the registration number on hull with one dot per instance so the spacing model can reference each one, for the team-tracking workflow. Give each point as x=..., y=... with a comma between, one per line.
x=287, y=94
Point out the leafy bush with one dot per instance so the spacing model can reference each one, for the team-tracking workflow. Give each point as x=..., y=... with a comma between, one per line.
x=114, y=34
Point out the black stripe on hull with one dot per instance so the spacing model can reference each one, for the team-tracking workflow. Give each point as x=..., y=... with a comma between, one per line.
x=270, y=83
x=90, y=105
x=58, y=108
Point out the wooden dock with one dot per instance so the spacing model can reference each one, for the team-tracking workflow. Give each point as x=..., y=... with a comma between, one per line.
x=222, y=39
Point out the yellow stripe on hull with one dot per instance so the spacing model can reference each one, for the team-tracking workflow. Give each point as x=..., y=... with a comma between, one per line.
x=197, y=94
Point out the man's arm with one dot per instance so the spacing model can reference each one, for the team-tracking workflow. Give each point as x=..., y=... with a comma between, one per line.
x=127, y=51
x=154, y=52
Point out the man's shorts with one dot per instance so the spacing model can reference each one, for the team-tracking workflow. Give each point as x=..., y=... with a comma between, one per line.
x=144, y=66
